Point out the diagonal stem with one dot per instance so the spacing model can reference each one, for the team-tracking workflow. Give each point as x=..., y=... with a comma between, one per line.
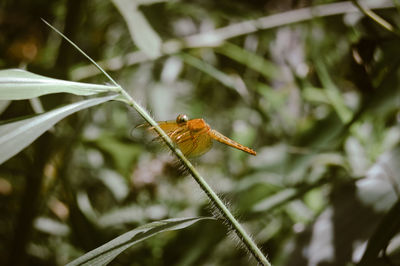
x=216, y=201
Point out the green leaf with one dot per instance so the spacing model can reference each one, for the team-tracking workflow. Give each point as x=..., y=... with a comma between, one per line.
x=15, y=136
x=252, y=60
x=276, y=200
x=386, y=230
x=209, y=69
x=107, y=252
x=17, y=84
x=140, y=29
x=332, y=92
x=123, y=154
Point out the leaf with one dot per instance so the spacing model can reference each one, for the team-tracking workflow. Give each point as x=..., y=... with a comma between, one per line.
x=209, y=69
x=385, y=231
x=276, y=200
x=123, y=154
x=249, y=59
x=107, y=252
x=141, y=31
x=333, y=93
x=17, y=135
x=17, y=84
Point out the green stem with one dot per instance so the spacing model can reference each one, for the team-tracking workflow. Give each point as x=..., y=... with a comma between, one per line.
x=230, y=219
x=236, y=226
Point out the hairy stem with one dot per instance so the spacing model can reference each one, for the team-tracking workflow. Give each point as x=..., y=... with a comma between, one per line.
x=216, y=201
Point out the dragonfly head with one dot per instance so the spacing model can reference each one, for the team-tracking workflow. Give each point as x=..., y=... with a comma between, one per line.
x=182, y=119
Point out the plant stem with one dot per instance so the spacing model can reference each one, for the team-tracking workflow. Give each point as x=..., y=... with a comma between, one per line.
x=230, y=219
x=233, y=223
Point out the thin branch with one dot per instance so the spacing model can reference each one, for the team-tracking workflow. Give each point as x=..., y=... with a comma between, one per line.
x=216, y=37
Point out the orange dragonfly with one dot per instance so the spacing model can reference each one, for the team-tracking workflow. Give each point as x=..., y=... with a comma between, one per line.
x=194, y=137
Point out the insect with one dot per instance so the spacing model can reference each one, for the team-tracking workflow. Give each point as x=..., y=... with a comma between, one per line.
x=194, y=137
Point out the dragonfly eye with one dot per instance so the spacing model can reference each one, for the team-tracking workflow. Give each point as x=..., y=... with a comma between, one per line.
x=182, y=119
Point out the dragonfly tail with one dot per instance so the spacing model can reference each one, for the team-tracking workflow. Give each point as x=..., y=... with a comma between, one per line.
x=225, y=140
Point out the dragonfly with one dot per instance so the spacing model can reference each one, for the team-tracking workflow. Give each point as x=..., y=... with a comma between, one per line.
x=194, y=137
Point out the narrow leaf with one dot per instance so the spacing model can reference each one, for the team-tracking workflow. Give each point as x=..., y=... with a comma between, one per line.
x=107, y=252
x=386, y=230
x=249, y=59
x=15, y=136
x=333, y=93
x=209, y=69
x=17, y=84
x=141, y=31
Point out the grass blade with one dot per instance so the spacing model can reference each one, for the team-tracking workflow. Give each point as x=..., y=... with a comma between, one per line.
x=107, y=252
x=17, y=84
x=333, y=93
x=15, y=136
x=252, y=60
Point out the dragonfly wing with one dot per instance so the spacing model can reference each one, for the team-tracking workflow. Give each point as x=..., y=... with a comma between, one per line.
x=181, y=136
x=195, y=145
x=167, y=126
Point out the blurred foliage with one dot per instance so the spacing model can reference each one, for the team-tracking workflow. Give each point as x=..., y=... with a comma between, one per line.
x=317, y=99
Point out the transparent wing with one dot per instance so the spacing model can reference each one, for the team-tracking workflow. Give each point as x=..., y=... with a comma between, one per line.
x=168, y=127
x=194, y=145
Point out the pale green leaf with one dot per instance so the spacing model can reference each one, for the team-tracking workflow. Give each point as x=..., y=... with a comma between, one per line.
x=252, y=60
x=107, y=252
x=15, y=136
x=18, y=84
x=209, y=69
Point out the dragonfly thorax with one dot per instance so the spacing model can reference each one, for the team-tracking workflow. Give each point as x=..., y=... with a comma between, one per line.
x=197, y=125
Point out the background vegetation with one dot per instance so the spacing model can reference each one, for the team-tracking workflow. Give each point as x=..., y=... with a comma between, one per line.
x=315, y=91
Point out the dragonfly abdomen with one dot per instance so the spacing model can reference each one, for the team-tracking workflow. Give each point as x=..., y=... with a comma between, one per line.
x=225, y=140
